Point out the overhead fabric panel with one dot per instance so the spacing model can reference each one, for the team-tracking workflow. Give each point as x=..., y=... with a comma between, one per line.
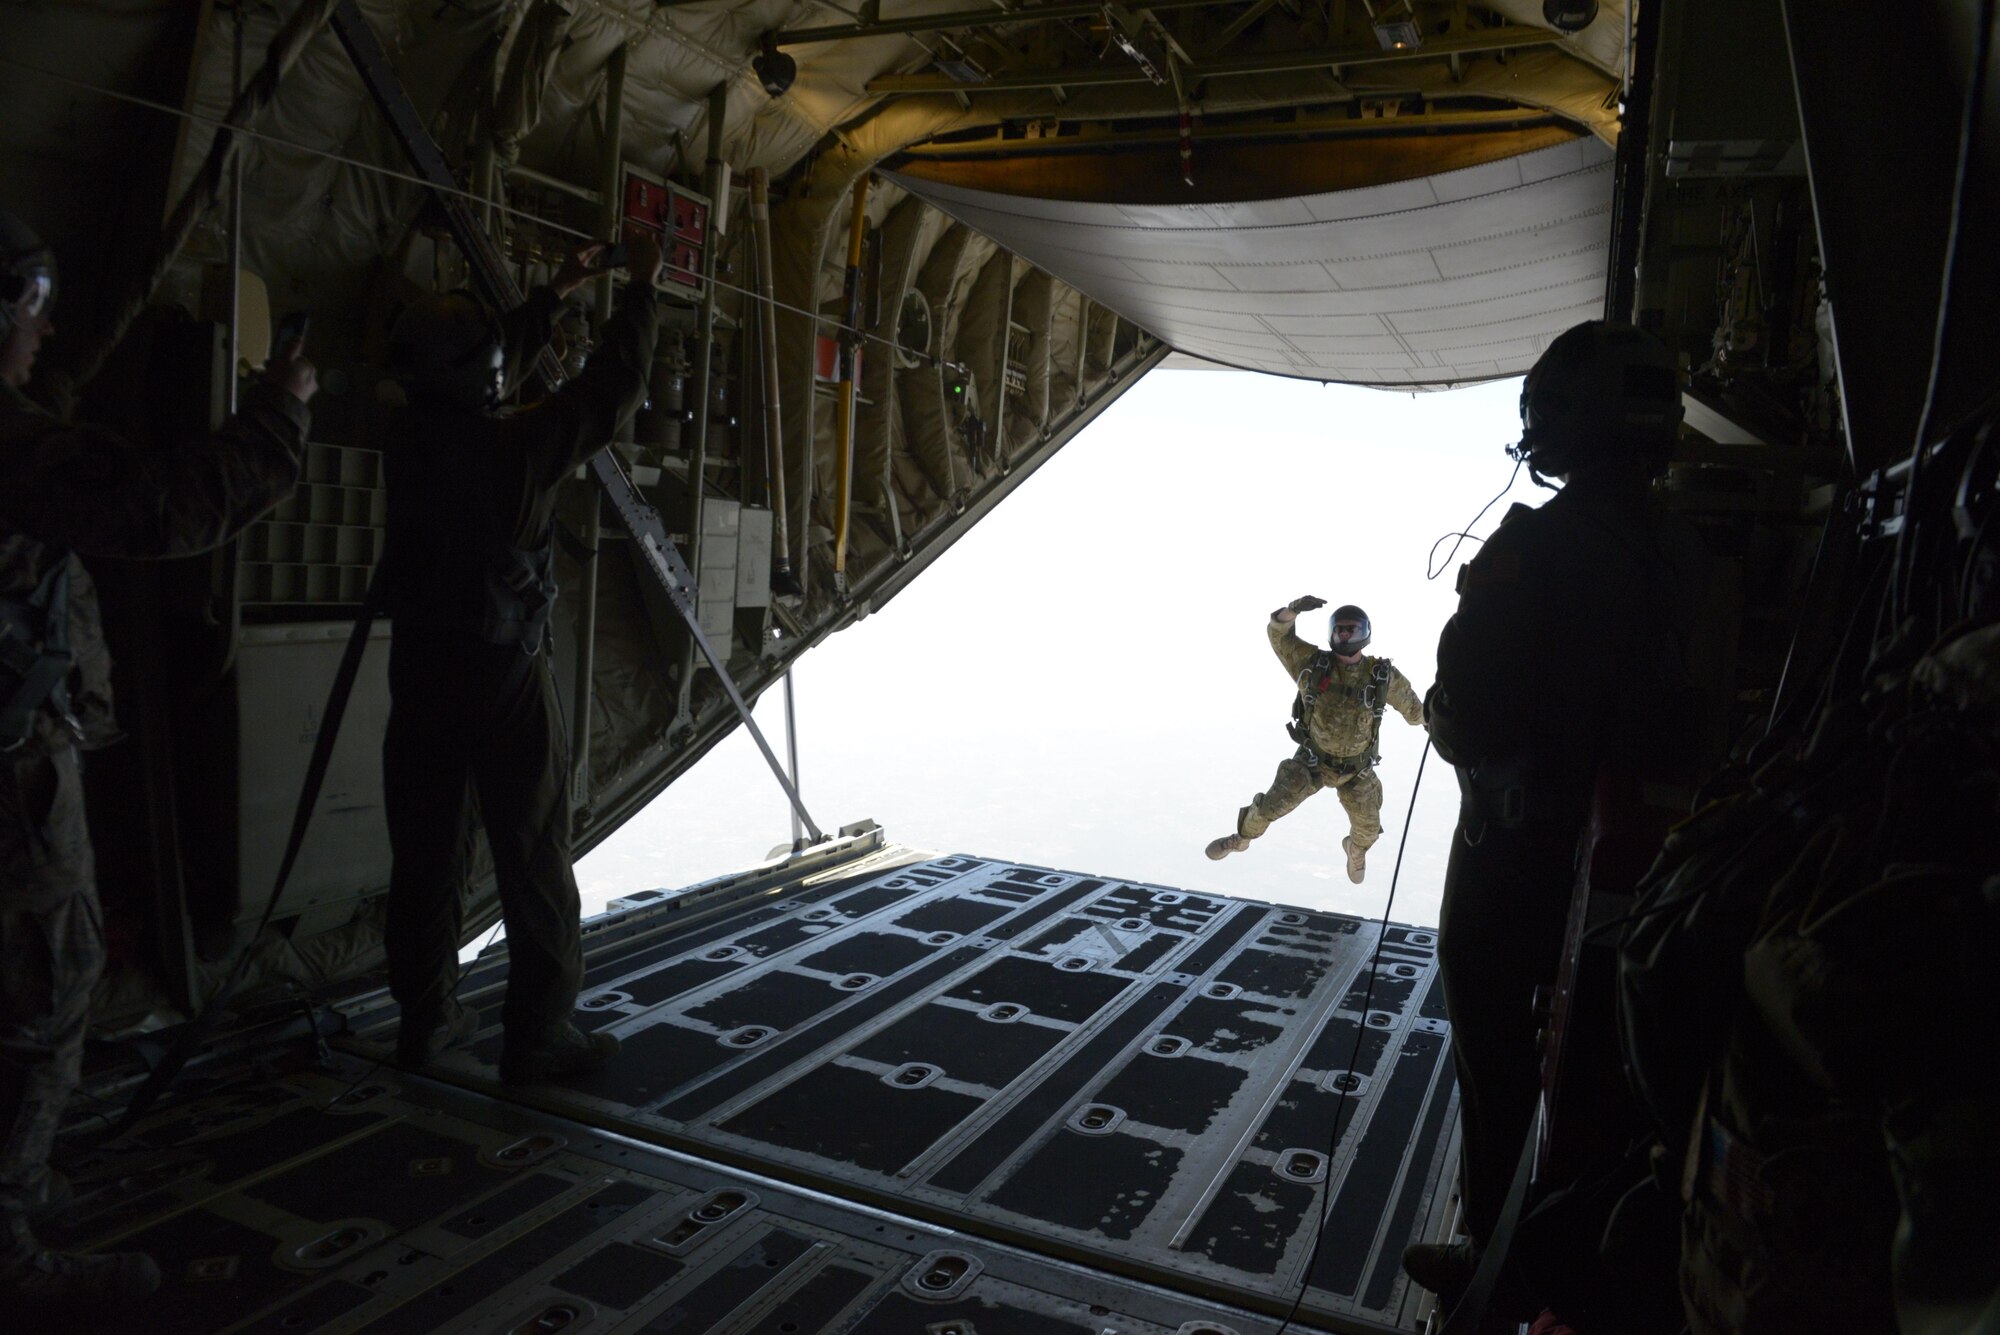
x=1439, y=280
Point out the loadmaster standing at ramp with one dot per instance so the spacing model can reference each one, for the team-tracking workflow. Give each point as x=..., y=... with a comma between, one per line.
x=1591, y=599
x=1337, y=722
x=470, y=567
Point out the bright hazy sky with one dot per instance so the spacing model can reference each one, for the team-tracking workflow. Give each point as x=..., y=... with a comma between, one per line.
x=1083, y=682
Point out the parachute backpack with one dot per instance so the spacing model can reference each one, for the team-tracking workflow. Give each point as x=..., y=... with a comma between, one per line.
x=1374, y=697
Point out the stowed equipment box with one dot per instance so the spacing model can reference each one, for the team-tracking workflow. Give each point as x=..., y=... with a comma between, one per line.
x=679, y=217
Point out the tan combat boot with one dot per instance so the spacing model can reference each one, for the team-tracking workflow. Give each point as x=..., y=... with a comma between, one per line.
x=425, y=1035
x=1357, y=860
x=1218, y=849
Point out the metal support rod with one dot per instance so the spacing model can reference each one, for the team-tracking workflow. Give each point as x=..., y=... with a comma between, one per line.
x=1632, y=168
x=611, y=166
x=583, y=192
x=610, y=169
x=843, y=420
x=586, y=663
x=486, y=183
x=965, y=18
x=235, y=355
x=1281, y=62
x=704, y=367
x=650, y=540
x=792, y=756
x=1306, y=129
x=782, y=578
x=997, y=441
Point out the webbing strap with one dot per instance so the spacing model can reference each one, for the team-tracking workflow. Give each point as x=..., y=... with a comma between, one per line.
x=192, y=1034
x=1466, y=1318
x=1375, y=695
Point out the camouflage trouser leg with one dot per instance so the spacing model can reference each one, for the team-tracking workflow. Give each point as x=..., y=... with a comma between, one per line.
x=498, y=735
x=1361, y=794
x=1294, y=783
x=51, y=952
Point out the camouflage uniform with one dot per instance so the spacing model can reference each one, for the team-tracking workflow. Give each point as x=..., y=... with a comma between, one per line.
x=67, y=491
x=1341, y=725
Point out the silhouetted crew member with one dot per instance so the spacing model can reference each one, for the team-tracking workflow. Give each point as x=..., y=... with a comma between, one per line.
x=1568, y=651
x=1338, y=725
x=471, y=583
x=68, y=491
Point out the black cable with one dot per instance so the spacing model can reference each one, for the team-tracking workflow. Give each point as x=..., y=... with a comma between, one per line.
x=1431, y=569
x=1835, y=668
x=497, y=206
x=1600, y=932
x=1360, y=1032
x=1968, y=134
x=1839, y=676
x=191, y=1035
x=1833, y=512
x=1848, y=663
x=1968, y=571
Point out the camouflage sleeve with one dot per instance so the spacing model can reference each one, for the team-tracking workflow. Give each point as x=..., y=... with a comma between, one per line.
x=526, y=330
x=1292, y=651
x=580, y=418
x=1403, y=698
x=87, y=489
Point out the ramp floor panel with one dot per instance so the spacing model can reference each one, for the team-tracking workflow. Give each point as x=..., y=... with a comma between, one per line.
x=1141, y=1079
x=381, y=1204
x=960, y=1097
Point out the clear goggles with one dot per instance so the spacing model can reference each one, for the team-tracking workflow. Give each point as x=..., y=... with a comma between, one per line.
x=31, y=290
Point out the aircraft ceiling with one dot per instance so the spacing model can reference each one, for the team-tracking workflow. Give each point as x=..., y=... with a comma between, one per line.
x=1294, y=112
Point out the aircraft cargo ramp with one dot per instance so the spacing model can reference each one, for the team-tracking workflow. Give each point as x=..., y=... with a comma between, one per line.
x=856, y=1093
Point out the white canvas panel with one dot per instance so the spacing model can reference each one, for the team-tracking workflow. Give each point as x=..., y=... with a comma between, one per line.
x=1463, y=275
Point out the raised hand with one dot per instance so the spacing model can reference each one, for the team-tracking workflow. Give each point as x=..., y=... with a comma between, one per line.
x=289, y=370
x=577, y=269
x=642, y=251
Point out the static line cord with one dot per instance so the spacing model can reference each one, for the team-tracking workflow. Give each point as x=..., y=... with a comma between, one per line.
x=1360, y=1032
x=1432, y=569
x=483, y=202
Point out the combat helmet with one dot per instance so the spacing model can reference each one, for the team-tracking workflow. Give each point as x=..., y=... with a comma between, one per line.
x=1349, y=612
x=445, y=347
x=27, y=273
x=1600, y=392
